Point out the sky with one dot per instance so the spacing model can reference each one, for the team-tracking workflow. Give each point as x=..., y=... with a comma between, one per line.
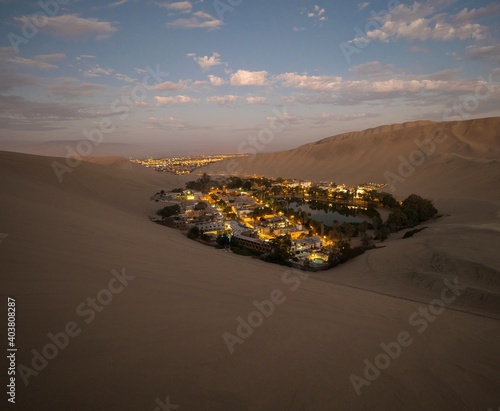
x=218, y=76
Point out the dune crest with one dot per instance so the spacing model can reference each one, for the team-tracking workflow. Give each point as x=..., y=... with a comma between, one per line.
x=465, y=160
x=163, y=334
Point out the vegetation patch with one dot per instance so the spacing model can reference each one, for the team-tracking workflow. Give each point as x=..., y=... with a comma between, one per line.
x=410, y=233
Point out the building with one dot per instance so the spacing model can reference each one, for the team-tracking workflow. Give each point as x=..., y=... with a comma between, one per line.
x=210, y=225
x=307, y=243
x=276, y=222
x=252, y=243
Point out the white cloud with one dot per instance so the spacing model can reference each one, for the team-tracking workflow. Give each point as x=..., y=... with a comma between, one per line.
x=206, y=62
x=178, y=6
x=362, y=6
x=483, y=52
x=327, y=117
x=85, y=56
x=256, y=100
x=375, y=86
x=163, y=101
x=216, y=81
x=223, y=100
x=467, y=16
x=303, y=81
x=170, y=86
x=116, y=4
x=198, y=20
x=249, y=78
x=72, y=88
x=372, y=69
x=49, y=57
x=318, y=13
x=98, y=71
x=70, y=25
x=125, y=78
x=421, y=21
x=169, y=123
x=31, y=64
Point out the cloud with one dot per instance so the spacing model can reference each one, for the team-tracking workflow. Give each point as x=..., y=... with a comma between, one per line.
x=318, y=14
x=420, y=21
x=198, y=20
x=467, y=16
x=116, y=4
x=46, y=58
x=328, y=117
x=11, y=80
x=372, y=69
x=6, y=52
x=443, y=75
x=298, y=29
x=442, y=84
x=321, y=98
x=17, y=113
x=164, y=123
x=85, y=56
x=178, y=6
x=180, y=99
x=256, y=100
x=483, y=53
x=318, y=83
x=70, y=25
x=71, y=89
x=223, y=100
x=216, y=81
x=170, y=86
x=98, y=71
x=31, y=64
x=206, y=62
x=249, y=78
x=362, y=6
x=125, y=78
x=290, y=118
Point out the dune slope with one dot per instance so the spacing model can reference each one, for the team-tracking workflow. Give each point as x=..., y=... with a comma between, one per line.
x=442, y=156
x=162, y=334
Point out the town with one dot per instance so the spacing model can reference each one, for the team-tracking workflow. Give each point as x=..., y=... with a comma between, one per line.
x=279, y=220
x=182, y=165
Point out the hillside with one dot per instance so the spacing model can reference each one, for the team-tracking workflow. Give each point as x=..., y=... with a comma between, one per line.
x=464, y=160
x=162, y=335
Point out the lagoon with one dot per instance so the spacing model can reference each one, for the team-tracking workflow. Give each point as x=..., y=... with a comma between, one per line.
x=325, y=214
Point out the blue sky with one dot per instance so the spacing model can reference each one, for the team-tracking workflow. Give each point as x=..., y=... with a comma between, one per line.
x=207, y=76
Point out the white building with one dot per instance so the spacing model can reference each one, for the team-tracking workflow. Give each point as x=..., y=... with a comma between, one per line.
x=211, y=226
x=307, y=243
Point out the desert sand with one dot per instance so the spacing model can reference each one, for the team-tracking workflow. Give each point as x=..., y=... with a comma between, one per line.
x=162, y=334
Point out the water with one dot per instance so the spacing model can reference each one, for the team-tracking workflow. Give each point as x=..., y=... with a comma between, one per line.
x=326, y=215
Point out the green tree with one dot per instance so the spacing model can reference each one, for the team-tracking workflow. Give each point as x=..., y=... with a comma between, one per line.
x=348, y=230
x=201, y=206
x=193, y=233
x=280, y=253
x=366, y=240
x=363, y=228
x=418, y=209
x=247, y=185
x=169, y=211
x=383, y=232
x=396, y=220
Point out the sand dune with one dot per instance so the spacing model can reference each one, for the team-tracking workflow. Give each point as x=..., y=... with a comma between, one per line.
x=61, y=148
x=465, y=154
x=162, y=334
